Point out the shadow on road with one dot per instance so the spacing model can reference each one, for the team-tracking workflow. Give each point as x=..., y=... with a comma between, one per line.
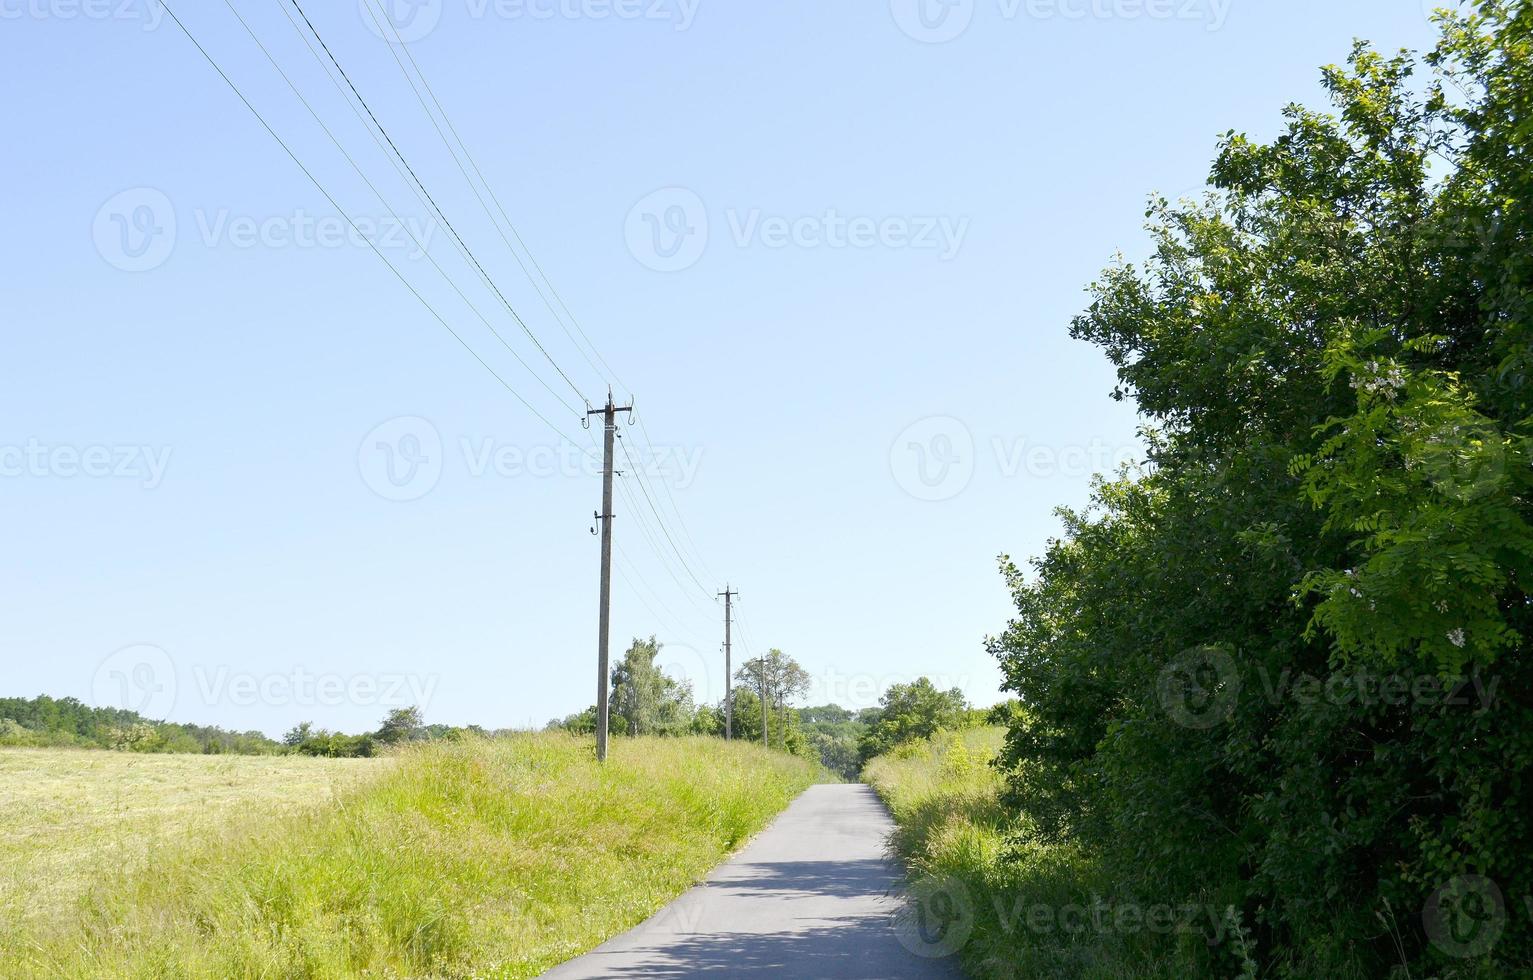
x=832, y=950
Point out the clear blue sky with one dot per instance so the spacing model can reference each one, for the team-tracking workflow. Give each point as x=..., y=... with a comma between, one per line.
x=864, y=257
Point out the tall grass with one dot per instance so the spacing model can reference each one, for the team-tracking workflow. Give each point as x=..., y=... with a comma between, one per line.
x=478, y=859
x=1038, y=910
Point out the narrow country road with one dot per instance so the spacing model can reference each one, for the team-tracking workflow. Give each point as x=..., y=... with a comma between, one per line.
x=812, y=896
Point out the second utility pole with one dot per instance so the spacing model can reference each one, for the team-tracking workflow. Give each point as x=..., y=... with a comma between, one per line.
x=729, y=683
x=609, y=417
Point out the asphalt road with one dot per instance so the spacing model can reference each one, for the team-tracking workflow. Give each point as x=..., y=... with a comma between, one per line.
x=814, y=895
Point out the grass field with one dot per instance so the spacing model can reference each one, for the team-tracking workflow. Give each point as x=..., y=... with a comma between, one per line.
x=65, y=814
x=479, y=859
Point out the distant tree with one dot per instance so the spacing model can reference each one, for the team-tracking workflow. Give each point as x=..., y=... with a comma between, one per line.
x=579, y=723
x=402, y=725
x=775, y=678
x=838, y=753
x=298, y=734
x=825, y=714
x=707, y=720
x=834, y=732
x=644, y=700
x=911, y=712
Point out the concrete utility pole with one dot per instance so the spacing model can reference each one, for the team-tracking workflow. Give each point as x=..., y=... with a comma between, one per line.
x=609, y=418
x=729, y=682
x=762, y=661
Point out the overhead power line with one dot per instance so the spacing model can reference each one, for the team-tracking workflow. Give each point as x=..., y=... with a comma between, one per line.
x=420, y=246
x=344, y=214
x=675, y=554
x=380, y=19
x=686, y=532
x=652, y=538
x=384, y=27
x=680, y=557
x=439, y=213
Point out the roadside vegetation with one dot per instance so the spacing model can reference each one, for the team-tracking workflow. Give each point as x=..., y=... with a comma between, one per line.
x=1283, y=670
x=1027, y=909
x=480, y=857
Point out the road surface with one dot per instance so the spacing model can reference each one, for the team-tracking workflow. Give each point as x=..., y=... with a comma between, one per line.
x=813, y=896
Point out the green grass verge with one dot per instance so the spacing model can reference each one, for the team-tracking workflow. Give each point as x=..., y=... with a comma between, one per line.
x=1038, y=911
x=477, y=859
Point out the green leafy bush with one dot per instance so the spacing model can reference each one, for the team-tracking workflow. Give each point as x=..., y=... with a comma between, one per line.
x=1284, y=669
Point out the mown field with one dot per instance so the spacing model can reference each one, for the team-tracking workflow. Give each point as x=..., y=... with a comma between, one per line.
x=474, y=859
x=66, y=814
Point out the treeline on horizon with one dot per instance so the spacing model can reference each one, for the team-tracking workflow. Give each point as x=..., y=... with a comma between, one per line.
x=644, y=701
x=46, y=722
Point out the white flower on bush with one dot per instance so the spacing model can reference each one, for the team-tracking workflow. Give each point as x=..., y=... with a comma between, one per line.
x=1384, y=379
x=1456, y=637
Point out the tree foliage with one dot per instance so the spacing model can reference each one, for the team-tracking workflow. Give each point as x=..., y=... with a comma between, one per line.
x=775, y=678
x=46, y=721
x=1253, y=673
x=912, y=712
x=644, y=700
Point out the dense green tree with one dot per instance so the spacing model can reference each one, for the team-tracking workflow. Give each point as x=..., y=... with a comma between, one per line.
x=910, y=712
x=1238, y=667
x=402, y=725
x=644, y=700
x=298, y=734
x=579, y=723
